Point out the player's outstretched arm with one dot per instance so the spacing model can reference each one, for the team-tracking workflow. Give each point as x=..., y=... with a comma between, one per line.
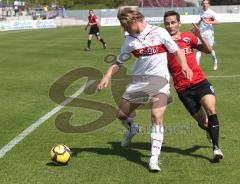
x=204, y=46
x=105, y=80
x=87, y=26
x=185, y=69
x=94, y=23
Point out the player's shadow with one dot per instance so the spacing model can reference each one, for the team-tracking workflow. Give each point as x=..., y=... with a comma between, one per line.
x=52, y=164
x=133, y=155
x=167, y=149
x=128, y=153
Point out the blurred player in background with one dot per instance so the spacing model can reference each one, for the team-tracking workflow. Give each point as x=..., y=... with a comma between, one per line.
x=94, y=30
x=149, y=44
x=208, y=19
x=197, y=95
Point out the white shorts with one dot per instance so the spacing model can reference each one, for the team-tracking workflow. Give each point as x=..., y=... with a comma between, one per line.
x=142, y=91
x=209, y=36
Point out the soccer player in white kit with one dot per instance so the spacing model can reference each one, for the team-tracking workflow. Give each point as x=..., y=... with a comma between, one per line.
x=208, y=19
x=150, y=76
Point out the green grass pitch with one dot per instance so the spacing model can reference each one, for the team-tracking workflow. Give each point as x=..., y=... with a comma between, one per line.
x=31, y=61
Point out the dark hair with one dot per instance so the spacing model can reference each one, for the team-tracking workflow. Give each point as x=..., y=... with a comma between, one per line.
x=172, y=13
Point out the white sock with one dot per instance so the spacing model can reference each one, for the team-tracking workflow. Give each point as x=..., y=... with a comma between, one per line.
x=198, y=57
x=128, y=123
x=157, y=132
x=214, y=57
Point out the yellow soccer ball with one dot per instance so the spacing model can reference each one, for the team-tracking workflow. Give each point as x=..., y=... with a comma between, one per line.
x=60, y=154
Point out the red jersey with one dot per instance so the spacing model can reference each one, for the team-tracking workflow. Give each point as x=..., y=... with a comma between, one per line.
x=187, y=42
x=93, y=19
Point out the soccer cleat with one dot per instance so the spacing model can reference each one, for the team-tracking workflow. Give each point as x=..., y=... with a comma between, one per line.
x=208, y=137
x=129, y=135
x=87, y=49
x=217, y=154
x=153, y=164
x=104, y=45
x=215, y=66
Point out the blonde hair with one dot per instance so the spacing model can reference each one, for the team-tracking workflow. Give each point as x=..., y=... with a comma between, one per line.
x=207, y=1
x=128, y=16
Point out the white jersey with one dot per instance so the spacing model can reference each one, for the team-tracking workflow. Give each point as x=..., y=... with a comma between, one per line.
x=210, y=15
x=150, y=47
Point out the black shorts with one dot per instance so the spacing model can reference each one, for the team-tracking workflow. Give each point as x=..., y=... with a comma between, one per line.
x=192, y=96
x=94, y=31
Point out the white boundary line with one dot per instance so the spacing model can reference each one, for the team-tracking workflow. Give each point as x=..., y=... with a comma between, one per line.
x=41, y=120
x=223, y=76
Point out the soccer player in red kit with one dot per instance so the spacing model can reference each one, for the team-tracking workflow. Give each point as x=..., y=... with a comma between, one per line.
x=198, y=94
x=94, y=30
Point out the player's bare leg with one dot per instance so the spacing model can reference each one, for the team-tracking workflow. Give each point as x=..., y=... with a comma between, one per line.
x=123, y=114
x=102, y=41
x=159, y=105
x=202, y=119
x=89, y=42
x=208, y=102
x=215, y=61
